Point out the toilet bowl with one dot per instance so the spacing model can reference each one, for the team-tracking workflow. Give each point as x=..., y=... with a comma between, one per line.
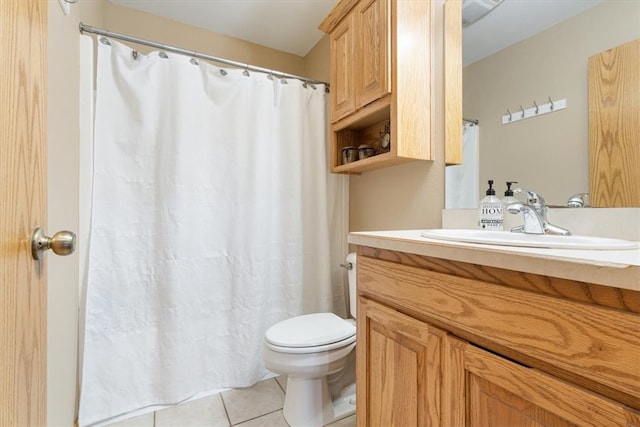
x=317, y=354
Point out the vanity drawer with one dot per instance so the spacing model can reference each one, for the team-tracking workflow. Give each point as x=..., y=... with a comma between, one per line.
x=596, y=347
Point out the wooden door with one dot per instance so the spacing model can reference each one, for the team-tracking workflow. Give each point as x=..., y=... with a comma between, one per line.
x=342, y=69
x=497, y=392
x=373, y=25
x=397, y=369
x=23, y=303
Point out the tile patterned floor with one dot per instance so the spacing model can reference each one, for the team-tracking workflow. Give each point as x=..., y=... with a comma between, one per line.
x=257, y=406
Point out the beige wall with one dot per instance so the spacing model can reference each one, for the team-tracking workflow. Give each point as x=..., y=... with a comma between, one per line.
x=62, y=306
x=140, y=24
x=549, y=153
x=63, y=151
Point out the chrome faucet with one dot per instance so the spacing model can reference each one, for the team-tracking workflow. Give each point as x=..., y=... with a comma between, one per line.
x=580, y=200
x=535, y=215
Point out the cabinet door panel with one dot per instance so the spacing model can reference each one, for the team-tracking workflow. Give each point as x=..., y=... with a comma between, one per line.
x=398, y=368
x=503, y=393
x=372, y=79
x=342, y=69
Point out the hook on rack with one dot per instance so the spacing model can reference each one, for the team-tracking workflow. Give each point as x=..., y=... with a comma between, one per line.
x=534, y=111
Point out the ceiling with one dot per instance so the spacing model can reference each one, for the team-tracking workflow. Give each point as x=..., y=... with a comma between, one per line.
x=292, y=25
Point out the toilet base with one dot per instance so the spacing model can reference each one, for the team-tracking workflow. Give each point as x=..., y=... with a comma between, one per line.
x=308, y=402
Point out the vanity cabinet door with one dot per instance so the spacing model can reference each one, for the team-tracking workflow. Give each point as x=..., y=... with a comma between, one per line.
x=397, y=368
x=498, y=392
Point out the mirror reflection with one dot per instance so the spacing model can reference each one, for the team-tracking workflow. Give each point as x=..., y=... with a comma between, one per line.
x=509, y=73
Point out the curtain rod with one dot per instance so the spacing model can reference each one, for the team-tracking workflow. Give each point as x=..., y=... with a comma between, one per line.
x=90, y=29
x=474, y=121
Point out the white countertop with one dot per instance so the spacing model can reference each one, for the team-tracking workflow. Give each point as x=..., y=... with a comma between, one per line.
x=617, y=268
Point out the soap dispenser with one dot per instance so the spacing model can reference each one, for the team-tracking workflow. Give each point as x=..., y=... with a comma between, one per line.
x=508, y=195
x=490, y=215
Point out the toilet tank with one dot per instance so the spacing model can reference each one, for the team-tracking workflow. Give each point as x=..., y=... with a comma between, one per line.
x=353, y=300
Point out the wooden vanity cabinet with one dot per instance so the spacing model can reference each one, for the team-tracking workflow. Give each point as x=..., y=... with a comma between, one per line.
x=467, y=345
x=398, y=368
x=495, y=391
x=387, y=66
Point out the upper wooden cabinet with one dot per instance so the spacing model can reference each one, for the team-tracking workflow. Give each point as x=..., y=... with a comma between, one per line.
x=359, y=56
x=387, y=77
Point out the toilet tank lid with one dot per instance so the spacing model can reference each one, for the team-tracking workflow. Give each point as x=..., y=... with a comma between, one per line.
x=310, y=330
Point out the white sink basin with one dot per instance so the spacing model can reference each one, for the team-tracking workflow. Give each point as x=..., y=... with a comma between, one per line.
x=507, y=238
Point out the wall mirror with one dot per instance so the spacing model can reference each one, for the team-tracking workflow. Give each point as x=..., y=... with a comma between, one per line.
x=505, y=72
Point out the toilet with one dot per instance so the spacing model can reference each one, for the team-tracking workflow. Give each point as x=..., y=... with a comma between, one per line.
x=317, y=353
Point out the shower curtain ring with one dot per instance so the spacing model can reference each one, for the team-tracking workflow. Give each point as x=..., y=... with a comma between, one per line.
x=246, y=70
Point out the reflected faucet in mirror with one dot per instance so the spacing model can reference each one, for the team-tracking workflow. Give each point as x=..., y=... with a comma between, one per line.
x=535, y=215
x=580, y=200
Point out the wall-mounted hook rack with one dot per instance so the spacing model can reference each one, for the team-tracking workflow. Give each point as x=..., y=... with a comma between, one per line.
x=536, y=110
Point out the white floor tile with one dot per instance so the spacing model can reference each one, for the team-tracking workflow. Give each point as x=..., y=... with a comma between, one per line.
x=282, y=380
x=274, y=419
x=243, y=404
x=206, y=412
x=345, y=422
x=145, y=420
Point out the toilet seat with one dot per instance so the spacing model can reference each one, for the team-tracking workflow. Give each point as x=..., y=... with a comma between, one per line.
x=310, y=333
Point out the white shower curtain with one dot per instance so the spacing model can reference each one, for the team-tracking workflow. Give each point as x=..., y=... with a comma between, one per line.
x=461, y=181
x=212, y=219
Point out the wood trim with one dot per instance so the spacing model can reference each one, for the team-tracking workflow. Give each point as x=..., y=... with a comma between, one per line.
x=453, y=382
x=593, y=346
x=336, y=15
x=411, y=71
x=453, y=81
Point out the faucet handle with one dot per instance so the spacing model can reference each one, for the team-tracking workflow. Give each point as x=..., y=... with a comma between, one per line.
x=533, y=198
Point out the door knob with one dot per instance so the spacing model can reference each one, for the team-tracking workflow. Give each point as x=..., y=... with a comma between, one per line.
x=62, y=243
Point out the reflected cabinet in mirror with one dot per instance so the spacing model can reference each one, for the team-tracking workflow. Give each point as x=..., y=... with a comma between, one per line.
x=548, y=153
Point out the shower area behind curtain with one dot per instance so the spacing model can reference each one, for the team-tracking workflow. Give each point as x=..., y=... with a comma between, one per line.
x=213, y=217
x=461, y=181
